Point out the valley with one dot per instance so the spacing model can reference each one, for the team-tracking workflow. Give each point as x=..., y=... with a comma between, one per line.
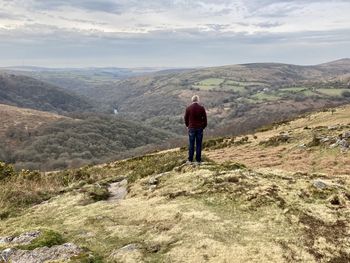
x=239, y=99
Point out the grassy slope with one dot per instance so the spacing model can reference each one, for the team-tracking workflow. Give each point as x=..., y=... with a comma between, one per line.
x=290, y=156
x=212, y=213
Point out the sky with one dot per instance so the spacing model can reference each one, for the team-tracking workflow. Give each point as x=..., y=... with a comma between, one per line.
x=172, y=33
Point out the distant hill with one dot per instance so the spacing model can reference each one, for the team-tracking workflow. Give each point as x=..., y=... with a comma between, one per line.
x=27, y=92
x=238, y=98
x=90, y=82
x=230, y=93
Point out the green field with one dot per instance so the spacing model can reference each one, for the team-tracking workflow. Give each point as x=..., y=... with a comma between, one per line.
x=293, y=89
x=332, y=92
x=244, y=83
x=213, y=84
x=238, y=89
x=307, y=92
x=210, y=82
x=263, y=96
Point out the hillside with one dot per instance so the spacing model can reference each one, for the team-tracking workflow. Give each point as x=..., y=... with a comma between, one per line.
x=31, y=119
x=241, y=205
x=27, y=92
x=17, y=123
x=42, y=140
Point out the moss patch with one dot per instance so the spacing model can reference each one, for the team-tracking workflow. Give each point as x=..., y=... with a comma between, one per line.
x=47, y=238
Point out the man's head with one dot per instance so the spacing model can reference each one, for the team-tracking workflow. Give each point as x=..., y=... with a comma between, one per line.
x=195, y=98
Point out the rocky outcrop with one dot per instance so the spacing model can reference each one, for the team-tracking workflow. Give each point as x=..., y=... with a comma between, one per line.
x=23, y=239
x=40, y=255
x=341, y=141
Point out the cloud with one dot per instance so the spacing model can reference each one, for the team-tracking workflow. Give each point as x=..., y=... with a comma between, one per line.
x=172, y=31
x=91, y=5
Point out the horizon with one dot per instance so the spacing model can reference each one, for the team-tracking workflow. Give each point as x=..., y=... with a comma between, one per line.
x=172, y=33
x=160, y=68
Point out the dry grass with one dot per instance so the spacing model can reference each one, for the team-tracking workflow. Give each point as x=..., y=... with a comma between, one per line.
x=199, y=215
x=290, y=156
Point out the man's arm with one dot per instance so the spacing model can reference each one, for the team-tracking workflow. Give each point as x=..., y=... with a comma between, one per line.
x=187, y=117
x=205, y=118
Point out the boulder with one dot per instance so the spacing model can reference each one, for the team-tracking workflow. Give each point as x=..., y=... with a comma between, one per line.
x=118, y=190
x=42, y=254
x=319, y=184
x=22, y=239
x=346, y=135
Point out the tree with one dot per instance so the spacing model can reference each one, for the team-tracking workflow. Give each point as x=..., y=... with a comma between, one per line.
x=346, y=94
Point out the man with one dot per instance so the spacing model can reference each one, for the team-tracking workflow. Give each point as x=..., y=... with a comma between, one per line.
x=196, y=121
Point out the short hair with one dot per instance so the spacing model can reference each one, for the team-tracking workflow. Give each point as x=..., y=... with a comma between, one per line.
x=195, y=98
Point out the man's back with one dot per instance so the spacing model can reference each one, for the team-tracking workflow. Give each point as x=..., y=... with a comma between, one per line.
x=195, y=116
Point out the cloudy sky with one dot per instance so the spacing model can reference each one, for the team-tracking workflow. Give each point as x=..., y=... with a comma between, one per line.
x=172, y=33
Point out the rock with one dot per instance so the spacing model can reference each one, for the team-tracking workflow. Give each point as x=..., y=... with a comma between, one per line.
x=319, y=184
x=332, y=128
x=118, y=190
x=153, y=181
x=5, y=240
x=129, y=253
x=22, y=239
x=343, y=143
x=346, y=135
x=325, y=139
x=42, y=254
x=340, y=142
x=130, y=247
x=6, y=254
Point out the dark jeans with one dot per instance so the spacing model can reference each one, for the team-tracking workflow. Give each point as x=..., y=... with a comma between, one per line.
x=195, y=136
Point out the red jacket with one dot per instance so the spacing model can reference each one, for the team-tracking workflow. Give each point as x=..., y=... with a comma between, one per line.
x=195, y=116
